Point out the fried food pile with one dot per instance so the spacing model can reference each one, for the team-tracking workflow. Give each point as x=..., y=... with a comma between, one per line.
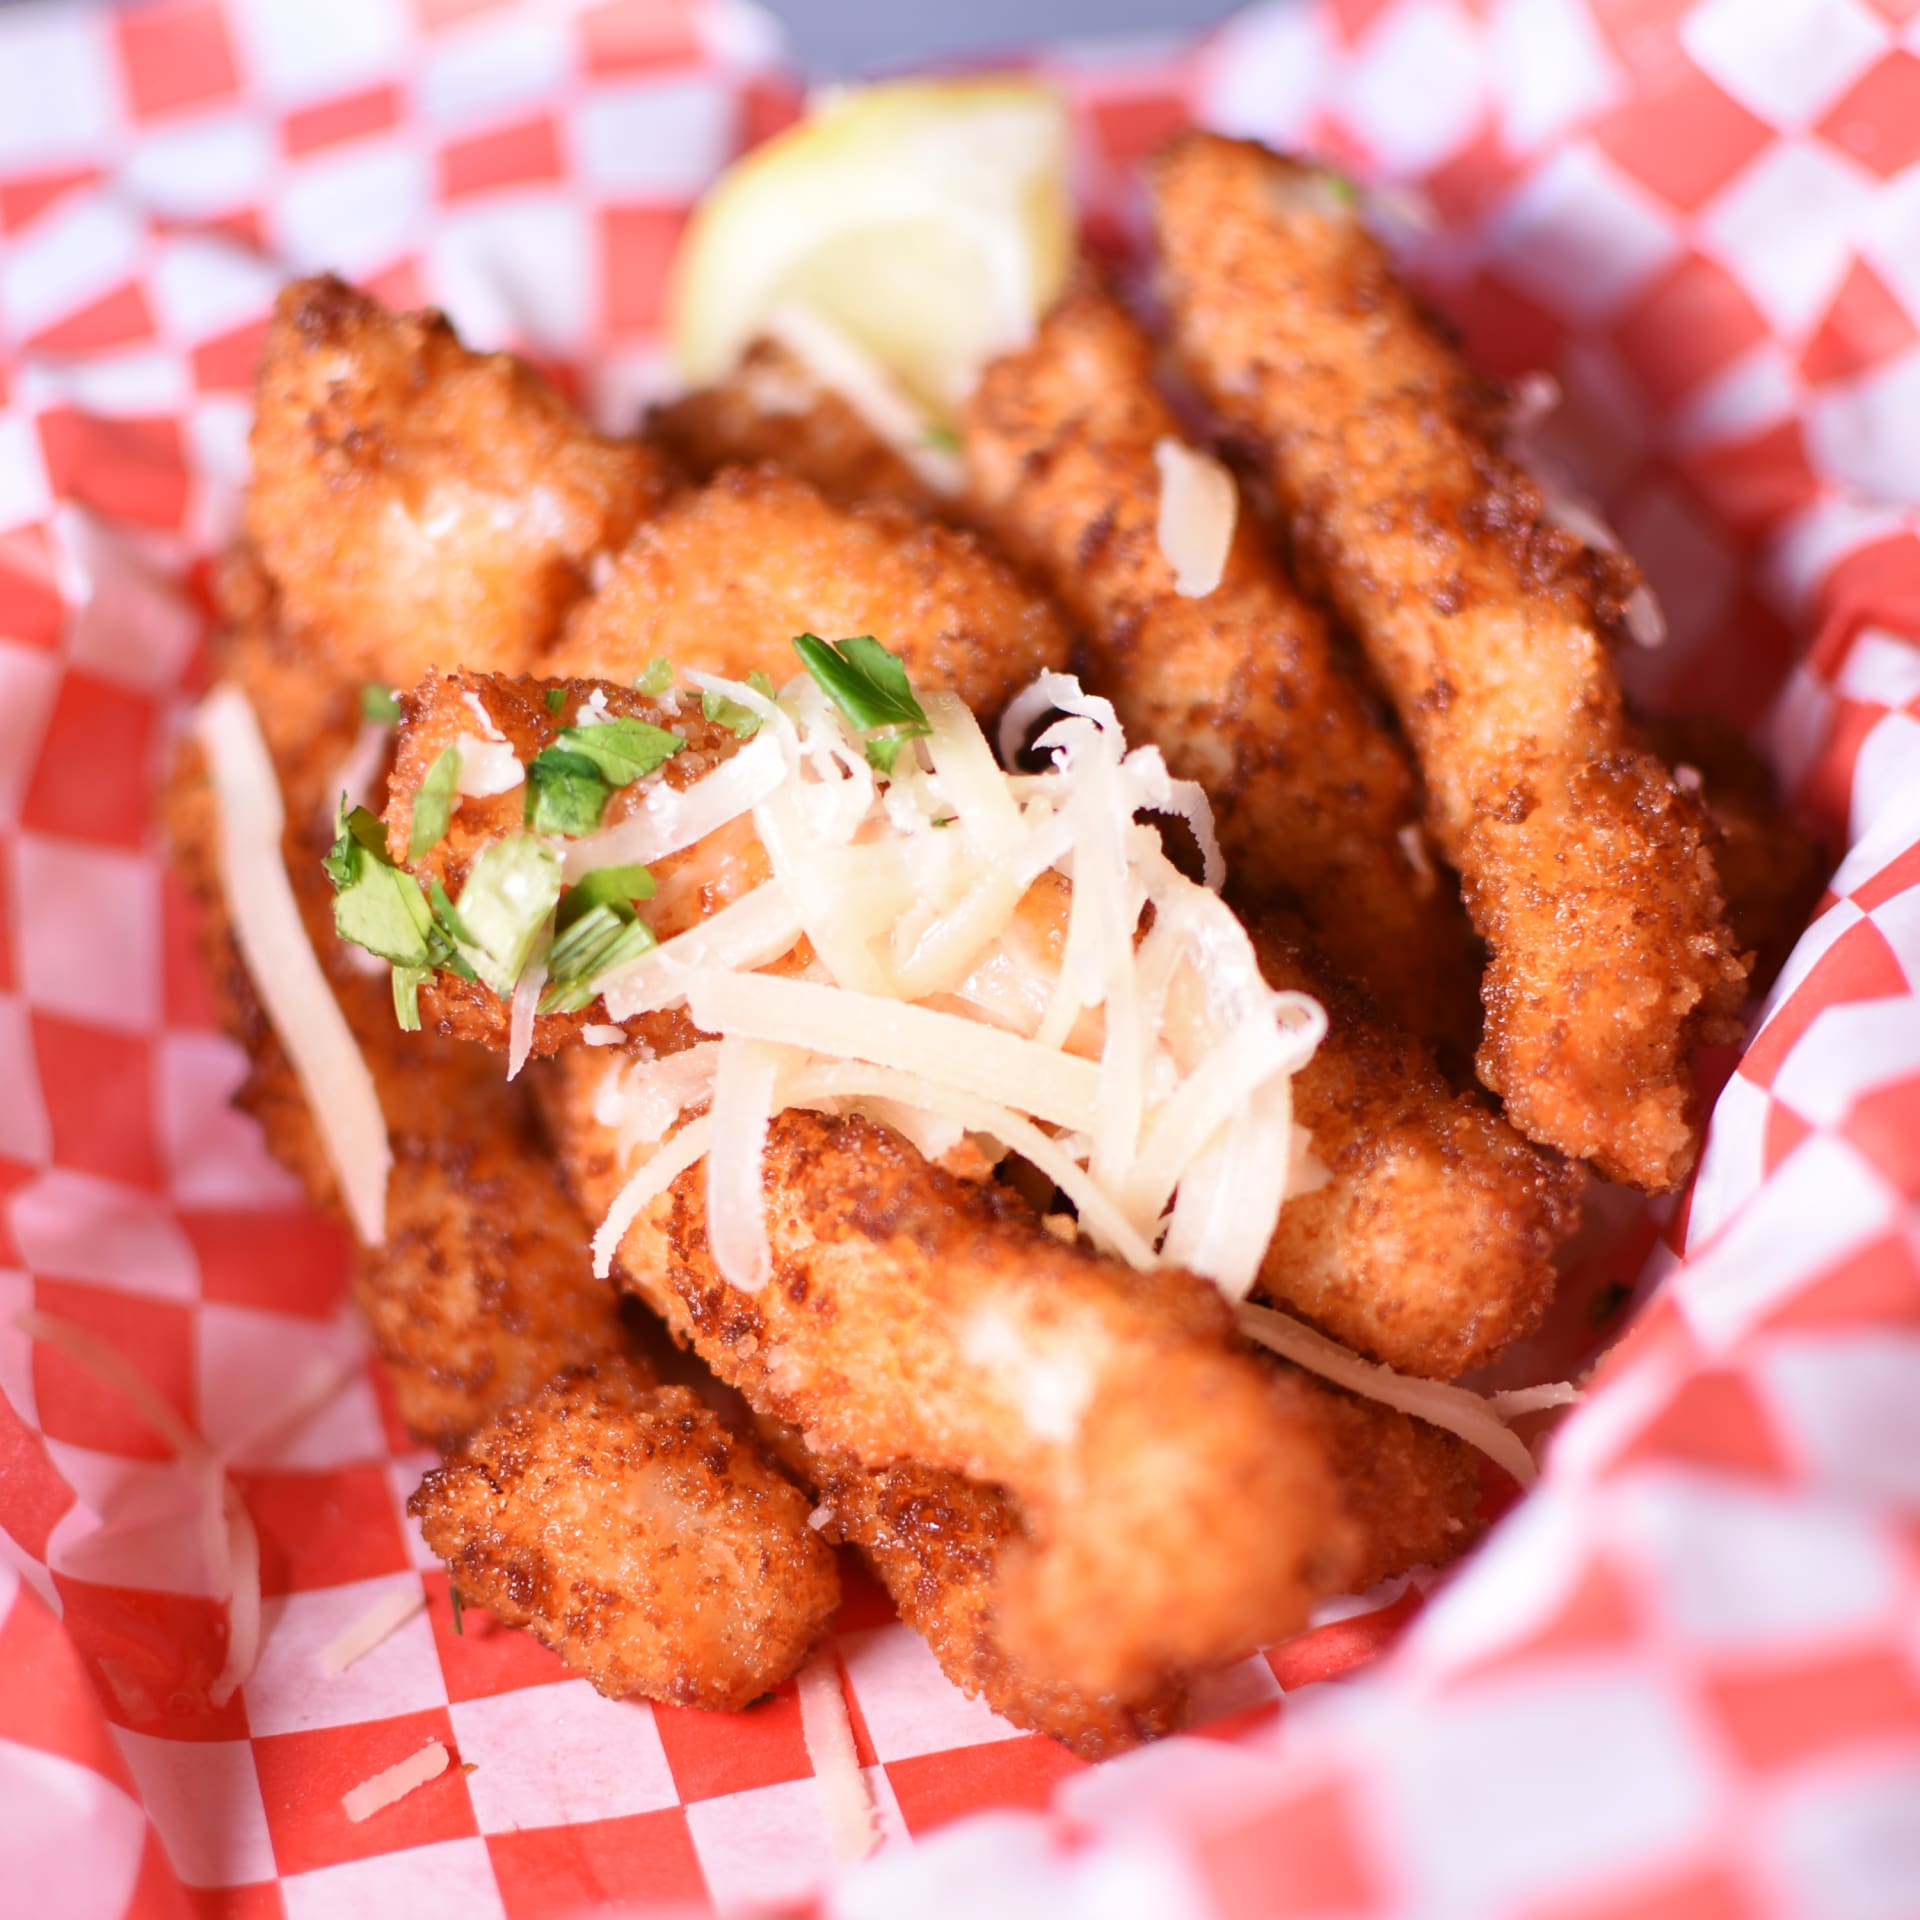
x=487, y=626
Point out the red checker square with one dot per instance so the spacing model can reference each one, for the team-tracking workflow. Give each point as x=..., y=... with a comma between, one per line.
x=1785, y=1133
x=1898, y=11
x=934, y=1788
x=486, y=1657
x=48, y=1702
x=120, y=318
x=125, y=468
x=769, y=104
x=1755, y=482
x=1506, y=331
x=1305, y=1855
x=304, y=1775
x=1826, y=793
x=1877, y=120
x=229, y=362
x=93, y=779
x=259, y=1902
x=1683, y=140
x=175, y=55
x=629, y=36
x=294, y=1263
x=1884, y=1125
x=32, y=1494
x=154, y=1658
x=1878, y=580
x=98, y=1089
x=514, y=156
x=30, y=606
x=1341, y=1647
x=1596, y=1615
x=1898, y=876
x=1129, y=126
x=1693, y=321
x=1858, y=966
x=398, y=286
x=1876, y=1285
x=6, y=923
x=435, y=14
x=348, y=116
x=1785, y=1717
x=636, y=243
x=1471, y=178
x=157, y=1893
x=323, y=1529
x=1352, y=18
x=1714, y=1419
x=1865, y=324
x=716, y=1753
x=1686, y=1893
x=558, y=1873
x=187, y=992
x=28, y=195
x=155, y=1338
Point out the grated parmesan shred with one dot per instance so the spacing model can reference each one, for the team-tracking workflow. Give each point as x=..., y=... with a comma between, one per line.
x=374, y=1628
x=827, y=1729
x=1199, y=504
x=396, y=1782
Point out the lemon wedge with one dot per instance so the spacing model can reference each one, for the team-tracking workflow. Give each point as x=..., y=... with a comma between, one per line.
x=924, y=223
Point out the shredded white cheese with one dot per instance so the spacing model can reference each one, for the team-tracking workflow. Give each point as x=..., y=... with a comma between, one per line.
x=520, y=1014
x=396, y=1782
x=487, y=767
x=281, y=963
x=374, y=1628
x=1198, y=506
x=828, y=1732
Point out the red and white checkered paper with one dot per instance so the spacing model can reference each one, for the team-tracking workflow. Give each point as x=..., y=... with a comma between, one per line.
x=1683, y=1680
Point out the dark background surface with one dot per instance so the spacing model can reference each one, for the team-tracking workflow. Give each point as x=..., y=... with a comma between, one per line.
x=866, y=36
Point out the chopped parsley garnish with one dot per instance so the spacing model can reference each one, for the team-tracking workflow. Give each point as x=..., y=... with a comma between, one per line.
x=738, y=718
x=433, y=804
x=623, y=750
x=556, y=698
x=407, y=982
x=379, y=704
x=869, y=685
x=942, y=439
x=598, y=931
x=570, y=782
x=657, y=678
x=379, y=906
x=510, y=890
x=604, y=887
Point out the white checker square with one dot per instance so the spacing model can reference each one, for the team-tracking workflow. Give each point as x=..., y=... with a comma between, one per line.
x=1551, y=70
x=260, y=1372
x=1787, y=226
x=909, y=1705
x=288, y=1692
x=771, y=1845
x=203, y=1798
x=1880, y=666
x=1733, y=1160
x=1417, y=91
x=202, y=167
x=353, y=210
x=1860, y=431
x=515, y=271
x=204, y=286
x=554, y=1755
x=216, y=1155
x=150, y=379
x=24, y=494
x=514, y=67
x=449, y=1877
x=1757, y=390
x=1849, y=1403
x=1818, y=537
x=25, y=1133
x=1266, y=73
x=58, y=102
x=1848, y=1837
x=1855, y=1046
x=1891, y=241
x=134, y=1523
x=305, y=52
x=665, y=141
x=1582, y=236
x=1741, y=1568
x=126, y=622
x=403, y=1474
x=217, y=429
x=1788, y=60
x=81, y=1227
x=90, y=947
x=54, y=1812
x=85, y=247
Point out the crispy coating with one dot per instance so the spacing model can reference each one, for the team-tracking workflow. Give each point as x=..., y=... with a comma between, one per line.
x=1312, y=797
x=652, y=1549
x=1586, y=869
x=419, y=505
x=914, y=1316
x=1772, y=871
x=773, y=409
x=1431, y=1244
x=723, y=578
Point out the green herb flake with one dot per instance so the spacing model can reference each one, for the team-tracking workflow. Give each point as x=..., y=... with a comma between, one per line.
x=657, y=678
x=942, y=439
x=407, y=982
x=510, y=890
x=599, y=941
x=453, y=1594
x=378, y=704
x=615, y=887
x=623, y=750
x=433, y=804
x=869, y=685
x=556, y=698
x=739, y=720
x=1346, y=191
x=376, y=905
x=566, y=792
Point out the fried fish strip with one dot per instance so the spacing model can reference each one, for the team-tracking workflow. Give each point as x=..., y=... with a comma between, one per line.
x=1239, y=687
x=723, y=578
x=1586, y=869
x=651, y=1548
x=774, y=410
x=419, y=505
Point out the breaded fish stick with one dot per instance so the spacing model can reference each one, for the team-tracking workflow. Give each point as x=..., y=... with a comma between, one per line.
x=418, y=505
x=1239, y=687
x=723, y=578
x=1586, y=869
x=651, y=1548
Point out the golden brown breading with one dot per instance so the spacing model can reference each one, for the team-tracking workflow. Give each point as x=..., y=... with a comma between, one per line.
x=773, y=409
x=419, y=505
x=1431, y=1245
x=651, y=1548
x=723, y=578
x=1239, y=687
x=1771, y=871
x=1586, y=869
x=912, y=1316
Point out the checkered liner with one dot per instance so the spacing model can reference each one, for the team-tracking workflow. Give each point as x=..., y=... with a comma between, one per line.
x=1683, y=1679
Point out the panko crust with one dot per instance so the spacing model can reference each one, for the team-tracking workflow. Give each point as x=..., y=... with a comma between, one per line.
x=1585, y=868
x=419, y=505
x=632, y=1532
x=1314, y=801
x=724, y=577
